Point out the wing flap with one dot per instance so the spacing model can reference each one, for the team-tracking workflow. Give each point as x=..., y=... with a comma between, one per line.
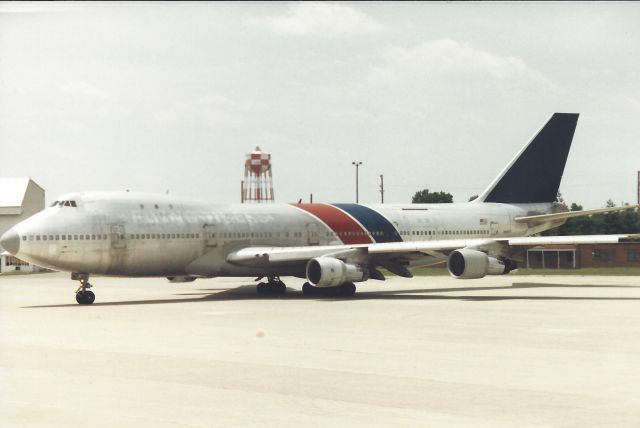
x=268, y=255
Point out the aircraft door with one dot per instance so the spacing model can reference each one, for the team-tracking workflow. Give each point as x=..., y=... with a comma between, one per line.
x=210, y=235
x=494, y=228
x=118, y=241
x=313, y=238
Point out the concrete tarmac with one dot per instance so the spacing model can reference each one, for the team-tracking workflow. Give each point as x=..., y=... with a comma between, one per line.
x=431, y=351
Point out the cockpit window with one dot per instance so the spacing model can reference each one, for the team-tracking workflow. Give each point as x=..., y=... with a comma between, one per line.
x=65, y=204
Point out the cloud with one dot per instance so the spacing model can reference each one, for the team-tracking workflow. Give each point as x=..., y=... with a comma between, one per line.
x=435, y=79
x=318, y=19
x=84, y=89
x=447, y=59
x=207, y=112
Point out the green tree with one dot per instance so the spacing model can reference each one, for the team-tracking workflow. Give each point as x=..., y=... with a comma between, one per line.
x=426, y=197
x=560, y=200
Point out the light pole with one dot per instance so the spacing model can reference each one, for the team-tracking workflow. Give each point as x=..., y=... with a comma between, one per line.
x=357, y=165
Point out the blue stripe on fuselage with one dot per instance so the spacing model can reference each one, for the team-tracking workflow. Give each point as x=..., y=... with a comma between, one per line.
x=380, y=228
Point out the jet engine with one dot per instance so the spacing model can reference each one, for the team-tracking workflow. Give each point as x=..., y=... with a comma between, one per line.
x=472, y=264
x=330, y=272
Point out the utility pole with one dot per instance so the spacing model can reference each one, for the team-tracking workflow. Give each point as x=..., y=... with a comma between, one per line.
x=357, y=165
x=381, y=189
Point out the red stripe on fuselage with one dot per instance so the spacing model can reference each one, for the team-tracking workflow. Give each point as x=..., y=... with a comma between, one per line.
x=348, y=230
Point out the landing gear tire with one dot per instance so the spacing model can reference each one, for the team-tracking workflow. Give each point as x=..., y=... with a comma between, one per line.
x=274, y=287
x=262, y=288
x=348, y=289
x=308, y=289
x=85, y=297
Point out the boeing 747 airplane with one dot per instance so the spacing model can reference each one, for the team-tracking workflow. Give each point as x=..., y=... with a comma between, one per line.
x=333, y=246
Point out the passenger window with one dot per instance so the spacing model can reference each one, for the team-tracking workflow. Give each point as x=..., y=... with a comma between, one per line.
x=37, y=237
x=73, y=204
x=57, y=237
x=93, y=237
x=82, y=237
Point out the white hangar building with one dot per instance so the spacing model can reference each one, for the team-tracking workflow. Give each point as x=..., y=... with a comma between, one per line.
x=20, y=198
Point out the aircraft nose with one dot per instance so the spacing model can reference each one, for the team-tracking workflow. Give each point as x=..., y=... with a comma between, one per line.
x=10, y=241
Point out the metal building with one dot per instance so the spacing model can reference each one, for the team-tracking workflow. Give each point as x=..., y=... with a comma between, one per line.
x=258, y=183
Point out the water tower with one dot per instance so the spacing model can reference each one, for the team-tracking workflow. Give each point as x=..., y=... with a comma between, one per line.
x=258, y=184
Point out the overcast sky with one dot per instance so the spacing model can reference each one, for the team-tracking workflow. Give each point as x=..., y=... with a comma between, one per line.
x=151, y=97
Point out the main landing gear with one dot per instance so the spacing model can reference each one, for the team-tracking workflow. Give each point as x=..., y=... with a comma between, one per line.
x=348, y=289
x=83, y=295
x=273, y=286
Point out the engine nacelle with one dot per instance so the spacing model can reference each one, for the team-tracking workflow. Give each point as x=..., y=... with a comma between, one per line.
x=472, y=264
x=330, y=272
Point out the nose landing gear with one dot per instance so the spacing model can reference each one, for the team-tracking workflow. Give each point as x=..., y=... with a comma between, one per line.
x=83, y=295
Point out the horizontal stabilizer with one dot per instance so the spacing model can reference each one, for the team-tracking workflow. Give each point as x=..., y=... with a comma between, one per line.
x=544, y=218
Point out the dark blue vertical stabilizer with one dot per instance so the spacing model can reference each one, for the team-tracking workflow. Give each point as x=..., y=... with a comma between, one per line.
x=535, y=174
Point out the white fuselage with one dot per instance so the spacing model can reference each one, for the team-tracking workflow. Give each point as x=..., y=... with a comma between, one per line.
x=132, y=234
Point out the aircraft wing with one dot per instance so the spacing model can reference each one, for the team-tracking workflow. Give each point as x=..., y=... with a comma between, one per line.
x=438, y=249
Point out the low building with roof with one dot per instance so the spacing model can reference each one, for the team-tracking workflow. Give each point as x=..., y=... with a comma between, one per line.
x=20, y=198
